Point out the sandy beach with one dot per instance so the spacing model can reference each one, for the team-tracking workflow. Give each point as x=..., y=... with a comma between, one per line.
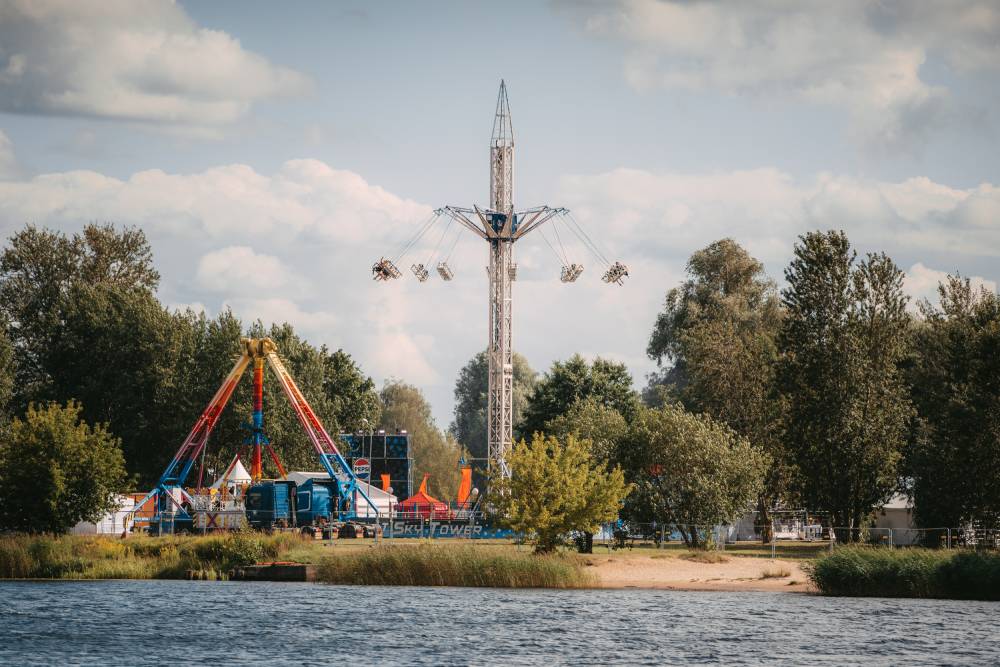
x=676, y=573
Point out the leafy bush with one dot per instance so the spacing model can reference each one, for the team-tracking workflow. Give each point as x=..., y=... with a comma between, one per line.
x=921, y=573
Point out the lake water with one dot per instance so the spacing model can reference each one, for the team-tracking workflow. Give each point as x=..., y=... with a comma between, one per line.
x=236, y=623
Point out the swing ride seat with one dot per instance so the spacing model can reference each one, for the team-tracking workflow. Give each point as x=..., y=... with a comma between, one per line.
x=420, y=272
x=445, y=271
x=384, y=269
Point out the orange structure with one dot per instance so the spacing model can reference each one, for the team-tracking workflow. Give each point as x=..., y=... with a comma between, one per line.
x=422, y=504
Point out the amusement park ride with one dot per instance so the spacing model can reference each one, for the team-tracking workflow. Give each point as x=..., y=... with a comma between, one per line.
x=500, y=226
x=172, y=501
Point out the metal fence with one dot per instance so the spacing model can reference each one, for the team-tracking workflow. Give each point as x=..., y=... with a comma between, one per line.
x=799, y=540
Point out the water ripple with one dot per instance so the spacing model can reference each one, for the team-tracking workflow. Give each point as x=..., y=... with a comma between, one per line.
x=156, y=622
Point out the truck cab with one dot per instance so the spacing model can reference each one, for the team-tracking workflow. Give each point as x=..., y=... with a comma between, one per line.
x=316, y=502
x=271, y=503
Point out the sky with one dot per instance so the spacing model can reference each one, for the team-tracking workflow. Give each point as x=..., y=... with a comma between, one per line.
x=273, y=151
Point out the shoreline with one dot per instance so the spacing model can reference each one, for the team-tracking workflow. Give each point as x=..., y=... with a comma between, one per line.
x=734, y=574
x=609, y=572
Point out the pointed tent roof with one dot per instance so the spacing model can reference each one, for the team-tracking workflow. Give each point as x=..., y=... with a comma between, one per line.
x=235, y=473
x=423, y=499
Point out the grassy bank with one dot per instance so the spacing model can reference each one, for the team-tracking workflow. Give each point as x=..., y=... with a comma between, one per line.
x=427, y=565
x=914, y=573
x=71, y=557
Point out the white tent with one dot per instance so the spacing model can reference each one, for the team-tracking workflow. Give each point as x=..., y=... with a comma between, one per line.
x=112, y=523
x=383, y=500
x=235, y=474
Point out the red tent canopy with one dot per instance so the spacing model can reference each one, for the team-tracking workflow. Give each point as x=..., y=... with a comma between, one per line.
x=422, y=504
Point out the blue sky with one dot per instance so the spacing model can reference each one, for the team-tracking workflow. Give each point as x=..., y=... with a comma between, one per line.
x=272, y=151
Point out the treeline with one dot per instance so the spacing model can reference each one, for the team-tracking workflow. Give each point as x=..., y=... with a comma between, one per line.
x=828, y=394
x=82, y=329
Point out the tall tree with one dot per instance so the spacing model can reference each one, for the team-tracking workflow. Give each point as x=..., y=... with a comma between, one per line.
x=38, y=270
x=7, y=376
x=405, y=408
x=602, y=429
x=469, y=424
x=843, y=340
x=718, y=332
x=606, y=382
x=56, y=470
x=115, y=353
x=352, y=394
x=955, y=380
x=690, y=471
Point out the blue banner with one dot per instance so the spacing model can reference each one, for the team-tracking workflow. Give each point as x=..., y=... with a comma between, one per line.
x=441, y=528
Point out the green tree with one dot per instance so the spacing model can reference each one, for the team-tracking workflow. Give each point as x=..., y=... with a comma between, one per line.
x=843, y=340
x=56, y=470
x=469, y=424
x=690, y=470
x=555, y=488
x=38, y=270
x=606, y=382
x=405, y=408
x=354, y=400
x=116, y=354
x=7, y=376
x=602, y=428
x=718, y=331
x=955, y=380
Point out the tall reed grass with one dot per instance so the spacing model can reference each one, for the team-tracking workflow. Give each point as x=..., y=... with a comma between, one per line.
x=427, y=565
x=915, y=573
x=75, y=557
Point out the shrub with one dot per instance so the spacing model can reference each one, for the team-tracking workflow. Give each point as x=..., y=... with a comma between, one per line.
x=921, y=573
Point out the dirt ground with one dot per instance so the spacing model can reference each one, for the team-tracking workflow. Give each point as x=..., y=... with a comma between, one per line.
x=676, y=573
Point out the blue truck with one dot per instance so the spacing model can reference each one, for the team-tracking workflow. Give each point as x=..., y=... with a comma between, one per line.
x=274, y=504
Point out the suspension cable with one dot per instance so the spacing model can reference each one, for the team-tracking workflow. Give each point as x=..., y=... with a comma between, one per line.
x=458, y=237
x=562, y=259
x=585, y=239
x=440, y=239
x=555, y=229
x=416, y=237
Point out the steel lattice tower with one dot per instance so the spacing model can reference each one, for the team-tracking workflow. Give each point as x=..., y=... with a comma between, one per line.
x=500, y=226
x=500, y=351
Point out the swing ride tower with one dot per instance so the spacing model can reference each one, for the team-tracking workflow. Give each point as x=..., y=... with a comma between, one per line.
x=501, y=226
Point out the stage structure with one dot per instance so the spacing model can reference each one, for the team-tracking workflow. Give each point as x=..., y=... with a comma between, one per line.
x=386, y=454
x=500, y=226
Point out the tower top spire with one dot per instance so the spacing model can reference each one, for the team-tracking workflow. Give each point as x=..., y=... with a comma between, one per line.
x=503, y=131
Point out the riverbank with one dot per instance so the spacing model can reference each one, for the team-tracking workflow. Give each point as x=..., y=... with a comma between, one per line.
x=686, y=572
x=403, y=562
x=910, y=573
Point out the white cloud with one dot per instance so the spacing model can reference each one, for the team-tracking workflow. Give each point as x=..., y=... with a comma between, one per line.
x=141, y=60
x=196, y=307
x=866, y=57
x=315, y=322
x=240, y=270
x=305, y=197
x=297, y=245
x=9, y=167
x=766, y=210
x=921, y=282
